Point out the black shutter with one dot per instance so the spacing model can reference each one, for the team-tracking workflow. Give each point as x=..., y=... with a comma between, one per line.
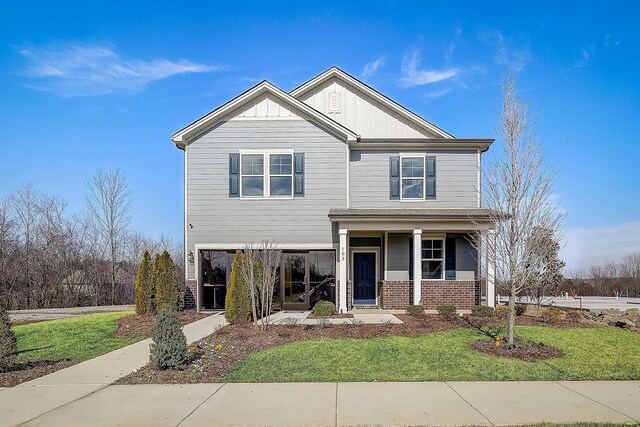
x=411, y=259
x=298, y=176
x=450, y=259
x=234, y=175
x=394, y=177
x=431, y=178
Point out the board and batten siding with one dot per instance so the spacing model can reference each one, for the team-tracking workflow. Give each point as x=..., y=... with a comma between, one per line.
x=456, y=180
x=361, y=113
x=215, y=218
x=398, y=257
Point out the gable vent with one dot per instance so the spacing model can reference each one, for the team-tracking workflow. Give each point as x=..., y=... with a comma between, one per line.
x=334, y=102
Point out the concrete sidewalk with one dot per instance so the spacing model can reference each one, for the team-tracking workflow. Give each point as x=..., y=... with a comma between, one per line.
x=347, y=404
x=28, y=400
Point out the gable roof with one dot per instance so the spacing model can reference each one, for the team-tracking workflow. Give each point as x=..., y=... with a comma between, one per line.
x=182, y=136
x=383, y=99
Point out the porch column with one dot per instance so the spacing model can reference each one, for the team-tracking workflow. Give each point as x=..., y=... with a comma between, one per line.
x=342, y=304
x=417, y=266
x=491, y=263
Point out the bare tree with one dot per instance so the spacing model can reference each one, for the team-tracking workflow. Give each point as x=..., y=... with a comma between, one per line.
x=108, y=200
x=517, y=189
x=545, y=280
x=259, y=269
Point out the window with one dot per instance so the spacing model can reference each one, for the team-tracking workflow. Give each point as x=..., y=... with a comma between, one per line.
x=276, y=181
x=252, y=170
x=412, y=177
x=280, y=174
x=432, y=258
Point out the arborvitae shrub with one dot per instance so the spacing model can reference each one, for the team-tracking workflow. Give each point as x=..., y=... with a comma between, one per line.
x=169, y=346
x=237, y=302
x=165, y=281
x=324, y=309
x=144, y=286
x=8, y=342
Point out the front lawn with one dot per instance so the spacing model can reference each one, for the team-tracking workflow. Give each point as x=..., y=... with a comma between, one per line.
x=78, y=338
x=600, y=353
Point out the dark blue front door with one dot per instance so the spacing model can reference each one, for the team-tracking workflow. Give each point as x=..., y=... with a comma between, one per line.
x=364, y=277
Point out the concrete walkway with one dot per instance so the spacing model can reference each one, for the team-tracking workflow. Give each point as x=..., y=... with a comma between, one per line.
x=341, y=404
x=302, y=318
x=28, y=400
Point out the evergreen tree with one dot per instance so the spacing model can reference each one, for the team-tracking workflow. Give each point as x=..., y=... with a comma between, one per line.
x=144, y=286
x=8, y=342
x=237, y=303
x=169, y=347
x=165, y=281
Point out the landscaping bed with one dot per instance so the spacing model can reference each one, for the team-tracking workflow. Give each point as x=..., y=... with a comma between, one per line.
x=26, y=371
x=523, y=349
x=140, y=326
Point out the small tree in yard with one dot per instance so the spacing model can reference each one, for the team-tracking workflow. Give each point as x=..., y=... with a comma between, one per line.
x=237, y=303
x=546, y=278
x=169, y=346
x=516, y=190
x=8, y=342
x=165, y=281
x=144, y=286
x=260, y=270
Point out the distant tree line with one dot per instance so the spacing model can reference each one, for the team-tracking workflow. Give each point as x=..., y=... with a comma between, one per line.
x=50, y=257
x=608, y=279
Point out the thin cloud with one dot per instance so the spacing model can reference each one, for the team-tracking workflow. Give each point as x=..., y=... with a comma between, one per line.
x=371, y=68
x=586, y=54
x=437, y=93
x=412, y=75
x=592, y=246
x=505, y=50
x=86, y=70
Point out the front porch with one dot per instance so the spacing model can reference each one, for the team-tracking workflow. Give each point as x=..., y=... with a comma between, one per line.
x=391, y=258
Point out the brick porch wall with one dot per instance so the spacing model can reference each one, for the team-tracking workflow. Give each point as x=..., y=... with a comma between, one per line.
x=349, y=302
x=190, y=292
x=396, y=295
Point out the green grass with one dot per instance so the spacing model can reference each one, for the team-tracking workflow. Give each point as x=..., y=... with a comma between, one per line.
x=589, y=354
x=77, y=338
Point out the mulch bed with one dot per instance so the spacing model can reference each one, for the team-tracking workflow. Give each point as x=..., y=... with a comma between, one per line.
x=214, y=356
x=527, y=350
x=140, y=326
x=27, y=371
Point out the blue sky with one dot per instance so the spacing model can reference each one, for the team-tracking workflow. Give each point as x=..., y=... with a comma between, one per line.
x=88, y=85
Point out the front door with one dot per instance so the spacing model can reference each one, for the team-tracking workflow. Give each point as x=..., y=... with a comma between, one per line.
x=364, y=278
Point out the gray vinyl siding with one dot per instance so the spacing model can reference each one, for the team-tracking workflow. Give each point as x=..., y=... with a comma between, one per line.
x=218, y=219
x=398, y=257
x=456, y=180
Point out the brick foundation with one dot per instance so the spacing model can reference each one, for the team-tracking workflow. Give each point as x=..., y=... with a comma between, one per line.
x=190, y=292
x=396, y=295
x=349, y=301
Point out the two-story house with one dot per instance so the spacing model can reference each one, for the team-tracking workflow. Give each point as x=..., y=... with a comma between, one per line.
x=371, y=204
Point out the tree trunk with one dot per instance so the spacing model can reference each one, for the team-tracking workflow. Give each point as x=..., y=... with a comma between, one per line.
x=512, y=315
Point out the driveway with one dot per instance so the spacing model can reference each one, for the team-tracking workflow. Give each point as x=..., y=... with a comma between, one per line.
x=38, y=315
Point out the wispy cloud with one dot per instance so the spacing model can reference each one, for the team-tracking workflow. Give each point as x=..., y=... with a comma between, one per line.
x=585, y=58
x=590, y=246
x=413, y=75
x=437, y=93
x=587, y=52
x=85, y=70
x=506, y=52
x=372, y=67
x=452, y=45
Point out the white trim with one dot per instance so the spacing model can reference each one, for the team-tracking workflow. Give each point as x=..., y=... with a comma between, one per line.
x=283, y=246
x=479, y=181
x=185, y=240
x=424, y=178
x=266, y=174
x=403, y=111
x=386, y=253
x=182, y=136
x=342, y=260
x=417, y=266
x=364, y=249
x=442, y=260
x=348, y=176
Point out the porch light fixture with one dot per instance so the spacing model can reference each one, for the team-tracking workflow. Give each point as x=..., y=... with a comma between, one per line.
x=190, y=257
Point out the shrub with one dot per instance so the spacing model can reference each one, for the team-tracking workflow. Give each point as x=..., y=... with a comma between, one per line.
x=237, y=302
x=553, y=315
x=521, y=309
x=502, y=311
x=169, y=346
x=482, y=311
x=324, y=309
x=574, y=315
x=414, y=310
x=144, y=286
x=446, y=311
x=165, y=281
x=8, y=342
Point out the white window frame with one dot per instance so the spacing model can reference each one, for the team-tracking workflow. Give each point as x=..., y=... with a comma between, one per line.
x=444, y=242
x=290, y=175
x=424, y=177
x=266, y=184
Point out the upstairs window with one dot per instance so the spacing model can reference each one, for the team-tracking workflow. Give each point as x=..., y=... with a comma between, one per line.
x=412, y=177
x=280, y=174
x=252, y=171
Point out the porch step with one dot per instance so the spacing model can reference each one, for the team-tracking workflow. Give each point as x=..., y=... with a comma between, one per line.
x=365, y=307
